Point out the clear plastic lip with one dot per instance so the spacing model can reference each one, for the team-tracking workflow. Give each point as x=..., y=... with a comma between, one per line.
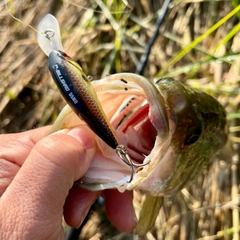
x=48, y=34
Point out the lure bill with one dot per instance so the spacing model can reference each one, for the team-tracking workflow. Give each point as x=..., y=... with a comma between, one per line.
x=76, y=88
x=48, y=34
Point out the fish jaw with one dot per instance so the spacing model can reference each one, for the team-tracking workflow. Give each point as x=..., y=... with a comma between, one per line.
x=159, y=158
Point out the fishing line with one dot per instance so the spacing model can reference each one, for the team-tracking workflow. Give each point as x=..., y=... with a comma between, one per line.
x=50, y=33
x=130, y=9
x=17, y=19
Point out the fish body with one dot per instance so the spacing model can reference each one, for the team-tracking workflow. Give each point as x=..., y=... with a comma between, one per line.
x=175, y=128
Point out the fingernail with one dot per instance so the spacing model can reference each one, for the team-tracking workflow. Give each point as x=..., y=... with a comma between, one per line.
x=83, y=216
x=84, y=135
x=135, y=218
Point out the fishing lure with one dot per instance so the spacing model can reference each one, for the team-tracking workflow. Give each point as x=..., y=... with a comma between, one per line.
x=76, y=88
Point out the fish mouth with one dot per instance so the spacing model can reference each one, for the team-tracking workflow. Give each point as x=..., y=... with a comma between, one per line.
x=163, y=125
x=136, y=110
x=134, y=128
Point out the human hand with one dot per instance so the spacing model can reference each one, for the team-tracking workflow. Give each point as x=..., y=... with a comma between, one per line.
x=37, y=173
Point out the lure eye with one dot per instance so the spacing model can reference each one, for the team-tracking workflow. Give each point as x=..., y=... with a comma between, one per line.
x=64, y=54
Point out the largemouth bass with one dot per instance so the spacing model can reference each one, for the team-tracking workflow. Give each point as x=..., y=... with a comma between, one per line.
x=177, y=151
x=176, y=143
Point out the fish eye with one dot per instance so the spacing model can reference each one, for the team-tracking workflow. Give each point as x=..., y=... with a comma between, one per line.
x=192, y=136
x=192, y=139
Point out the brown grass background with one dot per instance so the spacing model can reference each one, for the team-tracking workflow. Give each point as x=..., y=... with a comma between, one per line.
x=209, y=207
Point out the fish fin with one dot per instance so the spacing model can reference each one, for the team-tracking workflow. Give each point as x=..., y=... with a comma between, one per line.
x=149, y=213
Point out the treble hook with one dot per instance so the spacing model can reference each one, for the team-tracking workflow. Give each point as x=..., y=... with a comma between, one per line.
x=123, y=155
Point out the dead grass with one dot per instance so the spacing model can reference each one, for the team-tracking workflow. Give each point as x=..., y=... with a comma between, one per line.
x=209, y=208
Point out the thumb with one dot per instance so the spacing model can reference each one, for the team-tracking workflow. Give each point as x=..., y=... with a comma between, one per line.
x=37, y=194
